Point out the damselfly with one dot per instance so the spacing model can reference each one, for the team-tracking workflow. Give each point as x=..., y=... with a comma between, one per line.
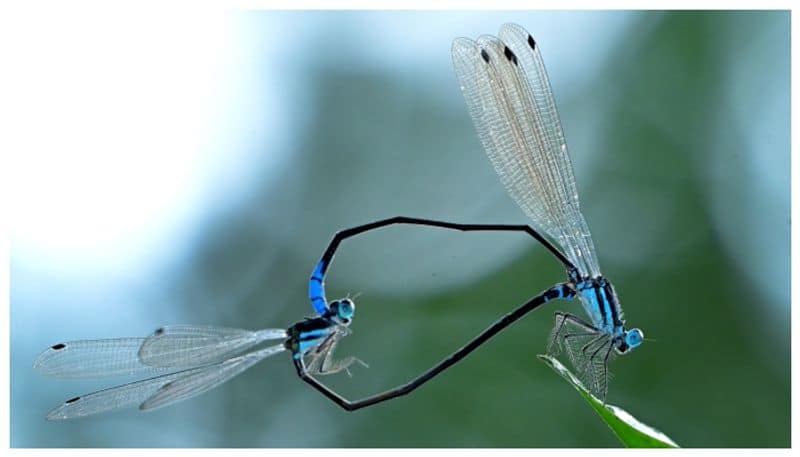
x=508, y=94
x=187, y=360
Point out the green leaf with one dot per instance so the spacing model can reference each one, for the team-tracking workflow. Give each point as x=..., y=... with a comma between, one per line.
x=627, y=428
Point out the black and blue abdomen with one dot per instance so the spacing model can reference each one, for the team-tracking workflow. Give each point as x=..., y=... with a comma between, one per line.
x=316, y=289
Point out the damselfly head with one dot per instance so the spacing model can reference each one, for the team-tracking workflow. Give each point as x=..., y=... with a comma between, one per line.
x=631, y=339
x=342, y=311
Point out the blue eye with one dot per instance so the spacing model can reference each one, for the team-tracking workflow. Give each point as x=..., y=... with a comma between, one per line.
x=346, y=309
x=634, y=338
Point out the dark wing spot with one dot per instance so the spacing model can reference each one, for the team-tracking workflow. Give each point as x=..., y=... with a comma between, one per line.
x=531, y=42
x=72, y=400
x=159, y=331
x=485, y=55
x=59, y=346
x=510, y=55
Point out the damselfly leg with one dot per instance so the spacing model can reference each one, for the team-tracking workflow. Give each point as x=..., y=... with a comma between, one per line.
x=321, y=360
x=588, y=348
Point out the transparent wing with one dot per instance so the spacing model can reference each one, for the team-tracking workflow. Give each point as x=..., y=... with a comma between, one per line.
x=511, y=103
x=191, y=345
x=93, y=359
x=203, y=380
x=114, y=398
x=161, y=390
x=172, y=347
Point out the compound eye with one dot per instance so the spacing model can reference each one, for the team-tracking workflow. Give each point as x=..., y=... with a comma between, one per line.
x=634, y=338
x=345, y=310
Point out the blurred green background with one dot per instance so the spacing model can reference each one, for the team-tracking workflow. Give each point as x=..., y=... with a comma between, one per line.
x=200, y=182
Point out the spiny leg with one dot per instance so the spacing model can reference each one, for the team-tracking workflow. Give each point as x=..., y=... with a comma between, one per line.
x=335, y=366
x=561, y=319
x=599, y=372
x=605, y=364
x=553, y=347
x=588, y=346
x=314, y=362
x=330, y=366
x=606, y=373
x=320, y=359
x=579, y=360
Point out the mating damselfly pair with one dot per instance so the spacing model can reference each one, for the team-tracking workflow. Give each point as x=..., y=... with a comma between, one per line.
x=510, y=100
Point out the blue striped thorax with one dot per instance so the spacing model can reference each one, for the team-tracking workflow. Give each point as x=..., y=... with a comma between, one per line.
x=311, y=332
x=600, y=302
x=307, y=334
